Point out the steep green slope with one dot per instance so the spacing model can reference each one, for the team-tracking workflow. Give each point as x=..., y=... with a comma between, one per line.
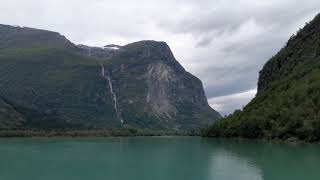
x=9, y=116
x=55, y=88
x=44, y=83
x=287, y=104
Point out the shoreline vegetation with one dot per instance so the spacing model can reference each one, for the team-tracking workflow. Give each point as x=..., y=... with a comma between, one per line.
x=40, y=133
x=92, y=133
x=290, y=140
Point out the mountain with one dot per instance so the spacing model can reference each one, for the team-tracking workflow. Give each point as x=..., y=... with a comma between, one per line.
x=47, y=82
x=287, y=105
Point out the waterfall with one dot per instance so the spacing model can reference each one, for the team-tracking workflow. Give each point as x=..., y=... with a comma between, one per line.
x=114, y=99
x=89, y=52
x=113, y=94
x=102, y=71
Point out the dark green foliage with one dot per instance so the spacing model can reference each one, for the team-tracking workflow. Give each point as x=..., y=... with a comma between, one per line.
x=56, y=86
x=303, y=46
x=9, y=116
x=289, y=108
x=76, y=132
x=288, y=101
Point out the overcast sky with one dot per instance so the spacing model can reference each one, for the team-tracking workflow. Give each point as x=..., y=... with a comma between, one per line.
x=223, y=42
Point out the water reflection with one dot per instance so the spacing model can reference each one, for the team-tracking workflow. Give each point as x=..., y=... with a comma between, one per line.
x=226, y=166
x=244, y=159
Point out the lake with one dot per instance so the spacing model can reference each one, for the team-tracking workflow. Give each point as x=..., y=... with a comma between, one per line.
x=155, y=158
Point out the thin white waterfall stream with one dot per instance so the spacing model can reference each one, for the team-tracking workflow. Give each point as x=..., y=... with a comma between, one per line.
x=113, y=94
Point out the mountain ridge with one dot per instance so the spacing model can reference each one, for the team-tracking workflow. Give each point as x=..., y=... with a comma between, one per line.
x=52, y=83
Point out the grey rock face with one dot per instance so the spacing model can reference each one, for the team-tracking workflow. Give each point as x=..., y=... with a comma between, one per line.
x=160, y=77
x=153, y=87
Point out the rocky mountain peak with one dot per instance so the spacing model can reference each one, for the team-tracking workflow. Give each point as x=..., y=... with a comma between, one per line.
x=149, y=49
x=160, y=86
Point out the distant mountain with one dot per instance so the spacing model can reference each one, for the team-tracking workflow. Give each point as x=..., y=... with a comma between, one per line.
x=47, y=82
x=287, y=105
x=24, y=37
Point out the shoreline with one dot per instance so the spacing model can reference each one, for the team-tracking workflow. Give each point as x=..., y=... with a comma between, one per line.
x=129, y=133
x=124, y=133
x=92, y=133
x=264, y=140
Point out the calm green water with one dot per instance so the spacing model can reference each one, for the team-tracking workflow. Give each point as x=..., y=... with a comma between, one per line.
x=155, y=158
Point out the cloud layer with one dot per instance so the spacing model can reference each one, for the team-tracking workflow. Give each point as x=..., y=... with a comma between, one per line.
x=224, y=104
x=224, y=43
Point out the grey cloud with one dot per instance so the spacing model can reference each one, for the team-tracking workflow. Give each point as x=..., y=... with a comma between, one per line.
x=230, y=80
x=204, y=42
x=224, y=43
x=227, y=104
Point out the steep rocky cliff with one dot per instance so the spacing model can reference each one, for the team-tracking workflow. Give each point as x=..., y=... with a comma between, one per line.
x=287, y=105
x=48, y=82
x=153, y=90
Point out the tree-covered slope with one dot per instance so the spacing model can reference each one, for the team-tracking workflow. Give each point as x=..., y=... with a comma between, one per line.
x=55, y=88
x=9, y=116
x=287, y=104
